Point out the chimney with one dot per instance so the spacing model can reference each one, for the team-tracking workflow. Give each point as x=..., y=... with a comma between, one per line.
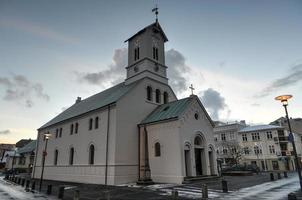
x=79, y=99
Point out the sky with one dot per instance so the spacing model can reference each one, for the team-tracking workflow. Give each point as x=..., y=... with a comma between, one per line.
x=238, y=55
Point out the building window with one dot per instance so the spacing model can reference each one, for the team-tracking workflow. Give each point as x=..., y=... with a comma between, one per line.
x=257, y=150
x=136, y=53
x=166, y=97
x=71, y=156
x=269, y=135
x=96, y=125
x=91, y=154
x=57, y=133
x=61, y=130
x=71, y=129
x=157, y=93
x=246, y=150
x=155, y=53
x=255, y=136
x=225, y=151
x=271, y=149
x=244, y=137
x=56, y=157
x=76, y=127
x=149, y=93
x=223, y=136
x=157, y=149
x=196, y=116
x=90, y=123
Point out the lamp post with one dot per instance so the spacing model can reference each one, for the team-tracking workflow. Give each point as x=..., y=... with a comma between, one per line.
x=284, y=101
x=46, y=136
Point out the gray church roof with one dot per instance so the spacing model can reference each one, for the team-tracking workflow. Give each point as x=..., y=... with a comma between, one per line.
x=168, y=111
x=94, y=102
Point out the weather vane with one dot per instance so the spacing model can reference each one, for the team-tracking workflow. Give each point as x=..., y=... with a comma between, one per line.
x=156, y=12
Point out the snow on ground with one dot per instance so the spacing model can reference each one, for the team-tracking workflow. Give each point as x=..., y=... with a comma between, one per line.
x=15, y=192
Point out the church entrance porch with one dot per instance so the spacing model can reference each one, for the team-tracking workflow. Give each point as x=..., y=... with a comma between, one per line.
x=198, y=161
x=200, y=156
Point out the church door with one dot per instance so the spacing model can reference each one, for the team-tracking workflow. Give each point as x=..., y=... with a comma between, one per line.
x=188, y=162
x=198, y=163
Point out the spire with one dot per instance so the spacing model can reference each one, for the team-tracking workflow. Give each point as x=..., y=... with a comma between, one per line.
x=156, y=13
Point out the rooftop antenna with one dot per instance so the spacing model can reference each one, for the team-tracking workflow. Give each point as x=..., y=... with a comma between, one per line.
x=156, y=13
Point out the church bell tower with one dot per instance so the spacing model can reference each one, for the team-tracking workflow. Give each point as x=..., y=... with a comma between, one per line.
x=146, y=54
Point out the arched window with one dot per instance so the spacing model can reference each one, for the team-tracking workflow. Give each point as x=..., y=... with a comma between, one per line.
x=166, y=97
x=157, y=149
x=91, y=154
x=56, y=157
x=149, y=93
x=96, y=125
x=197, y=141
x=90, y=123
x=76, y=127
x=71, y=129
x=71, y=156
x=157, y=92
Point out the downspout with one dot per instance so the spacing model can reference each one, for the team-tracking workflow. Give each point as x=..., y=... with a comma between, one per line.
x=107, y=141
x=36, y=155
x=139, y=153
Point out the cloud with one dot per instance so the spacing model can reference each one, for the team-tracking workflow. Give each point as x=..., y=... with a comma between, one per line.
x=20, y=89
x=177, y=70
x=293, y=77
x=115, y=72
x=38, y=30
x=5, y=132
x=213, y=102
x=112, y=75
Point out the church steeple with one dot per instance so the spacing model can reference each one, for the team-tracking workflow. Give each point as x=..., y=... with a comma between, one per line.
x=146, y=54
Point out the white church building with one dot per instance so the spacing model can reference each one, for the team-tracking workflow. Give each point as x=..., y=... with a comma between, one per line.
x=135, y=131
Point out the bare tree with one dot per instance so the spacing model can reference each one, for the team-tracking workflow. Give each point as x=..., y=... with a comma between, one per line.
x=233, y=151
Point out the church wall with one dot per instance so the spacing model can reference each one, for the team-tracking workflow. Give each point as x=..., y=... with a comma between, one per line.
x=189, y=129
x=131, y=110
x=81, y=170
x=165, y=168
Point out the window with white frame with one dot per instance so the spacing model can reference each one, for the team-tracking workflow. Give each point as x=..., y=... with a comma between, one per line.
x=271, y=149
x=223, y=136
x=255, y=136
x=244, y=137
x=269, y=135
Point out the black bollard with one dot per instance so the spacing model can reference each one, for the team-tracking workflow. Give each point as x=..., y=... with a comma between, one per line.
x=6, y=177
x=27, y=185
x=76, y=195
x=23, y=182
x=61, y=192
x=272, y=176
x=174, y=194
x=279, y=175
x=19, y=181
x=49, y=188
x=224, y=184
x=292, y=196
x=33, y=186
x=205, y=194
x=285, y=174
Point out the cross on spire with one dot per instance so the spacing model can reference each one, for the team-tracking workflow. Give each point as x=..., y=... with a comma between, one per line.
x=156, y=12
x=192, y=88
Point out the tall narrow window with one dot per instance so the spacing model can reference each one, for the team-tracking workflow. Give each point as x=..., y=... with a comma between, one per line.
x=166, y=97
x=136, y=53
x=91, y=154
x=71, y=129
x=96, y=125
x=57, y=133
x=71, y=156
x=76, y=127
x=90, y=123
x=157, y=149
x=61, y=130
x=149, y=93
x=56, y=157
x=155, y=53
x=157, y=92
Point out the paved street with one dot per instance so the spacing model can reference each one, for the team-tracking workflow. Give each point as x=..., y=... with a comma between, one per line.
x=253, y=187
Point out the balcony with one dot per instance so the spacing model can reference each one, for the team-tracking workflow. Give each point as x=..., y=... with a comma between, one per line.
x=283, y=139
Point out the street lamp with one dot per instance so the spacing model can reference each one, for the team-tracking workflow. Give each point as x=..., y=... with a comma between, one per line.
x=284, y=101
x=46, y=136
